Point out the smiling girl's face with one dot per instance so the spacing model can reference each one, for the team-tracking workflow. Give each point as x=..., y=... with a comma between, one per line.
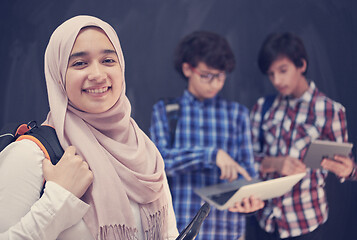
x=94, y=77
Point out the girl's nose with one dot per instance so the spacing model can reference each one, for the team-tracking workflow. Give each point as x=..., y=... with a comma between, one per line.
x=96, y=73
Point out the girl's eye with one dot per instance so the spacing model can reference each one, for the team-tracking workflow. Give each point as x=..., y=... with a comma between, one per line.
x=109, y=60
x=78, y=64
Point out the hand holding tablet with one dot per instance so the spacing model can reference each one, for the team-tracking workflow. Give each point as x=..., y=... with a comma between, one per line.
x=322, y=149
x=226, y=195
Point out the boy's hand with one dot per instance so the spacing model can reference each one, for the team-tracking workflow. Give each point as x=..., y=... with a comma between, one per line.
x=342, y=166
x=284, y=165
x=247, y=205
x=229, y=168
x=288, y=166
x=71, y=172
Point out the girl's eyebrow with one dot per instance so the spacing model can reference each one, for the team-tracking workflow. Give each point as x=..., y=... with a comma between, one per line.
x=77, y=54
x=81, y=54
x=109, y=51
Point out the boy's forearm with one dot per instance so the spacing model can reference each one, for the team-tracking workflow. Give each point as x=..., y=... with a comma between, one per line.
x=269, y=164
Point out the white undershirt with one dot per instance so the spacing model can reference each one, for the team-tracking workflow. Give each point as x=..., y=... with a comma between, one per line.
x=57, y=214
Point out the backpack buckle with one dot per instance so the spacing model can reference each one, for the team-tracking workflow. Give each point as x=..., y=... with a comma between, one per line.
x=32, y=125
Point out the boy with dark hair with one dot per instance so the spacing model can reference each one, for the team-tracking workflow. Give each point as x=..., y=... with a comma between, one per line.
x=299, y=114
x=211, y=141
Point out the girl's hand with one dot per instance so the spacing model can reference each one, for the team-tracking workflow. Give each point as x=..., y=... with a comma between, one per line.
x=71, y=172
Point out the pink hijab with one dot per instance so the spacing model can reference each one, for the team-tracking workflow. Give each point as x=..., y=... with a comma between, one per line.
x=125, y=163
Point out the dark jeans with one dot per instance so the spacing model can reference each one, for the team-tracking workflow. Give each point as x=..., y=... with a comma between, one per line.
x=254, y=232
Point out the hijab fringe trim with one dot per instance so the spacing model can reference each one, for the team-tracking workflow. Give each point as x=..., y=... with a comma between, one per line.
x=117, y=232
x=157, y=225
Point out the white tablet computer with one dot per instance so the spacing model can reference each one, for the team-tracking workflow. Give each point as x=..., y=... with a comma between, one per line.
x=320, y=149
x=225, y=195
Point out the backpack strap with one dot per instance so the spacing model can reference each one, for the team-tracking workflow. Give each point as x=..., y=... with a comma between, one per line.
x=268, y=102
x=172, y=107
x=9, y=132
x=45, y=137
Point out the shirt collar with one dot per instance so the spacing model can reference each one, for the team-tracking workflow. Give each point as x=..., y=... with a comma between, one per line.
x=305, y=97
x=190, y=98
x=308, y=94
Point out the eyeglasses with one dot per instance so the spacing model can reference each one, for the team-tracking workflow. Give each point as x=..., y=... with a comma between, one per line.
x=208, y=77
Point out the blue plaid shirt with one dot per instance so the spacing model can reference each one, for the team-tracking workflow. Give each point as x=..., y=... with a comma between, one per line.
x=203, y=128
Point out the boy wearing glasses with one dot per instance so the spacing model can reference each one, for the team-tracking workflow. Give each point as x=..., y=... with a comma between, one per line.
x=211, y=141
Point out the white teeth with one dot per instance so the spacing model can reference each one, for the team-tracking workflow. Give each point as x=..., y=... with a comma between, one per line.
x=98, y=90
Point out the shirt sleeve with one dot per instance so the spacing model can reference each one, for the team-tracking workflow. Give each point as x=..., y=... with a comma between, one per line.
x=255, y=120
x=245, y=156
x=336, y=127
x=177, y=160
x=23, y=214
x=340, y=133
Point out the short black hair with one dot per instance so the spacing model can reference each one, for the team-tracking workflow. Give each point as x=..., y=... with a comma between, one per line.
x=207, y=47
x=278, y=45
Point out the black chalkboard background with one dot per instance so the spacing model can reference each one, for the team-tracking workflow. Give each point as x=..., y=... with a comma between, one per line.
x=150, y=29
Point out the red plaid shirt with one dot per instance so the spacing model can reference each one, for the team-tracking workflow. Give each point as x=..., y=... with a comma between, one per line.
x=289, y=126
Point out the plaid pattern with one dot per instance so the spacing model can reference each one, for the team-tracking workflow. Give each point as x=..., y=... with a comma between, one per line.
x=202, y=129
x=289, y=126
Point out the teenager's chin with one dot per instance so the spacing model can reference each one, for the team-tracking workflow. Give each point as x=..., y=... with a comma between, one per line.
x=97, y=109
x=285, y=93
x=211, y=95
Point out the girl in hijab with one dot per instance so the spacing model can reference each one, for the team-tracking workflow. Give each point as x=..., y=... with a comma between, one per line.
x=110, y=182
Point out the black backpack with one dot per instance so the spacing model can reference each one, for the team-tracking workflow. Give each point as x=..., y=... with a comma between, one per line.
x=172, y=107
x=43, y=135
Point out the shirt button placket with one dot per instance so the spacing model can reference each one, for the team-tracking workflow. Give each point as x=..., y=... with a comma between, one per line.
x=200, y=124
